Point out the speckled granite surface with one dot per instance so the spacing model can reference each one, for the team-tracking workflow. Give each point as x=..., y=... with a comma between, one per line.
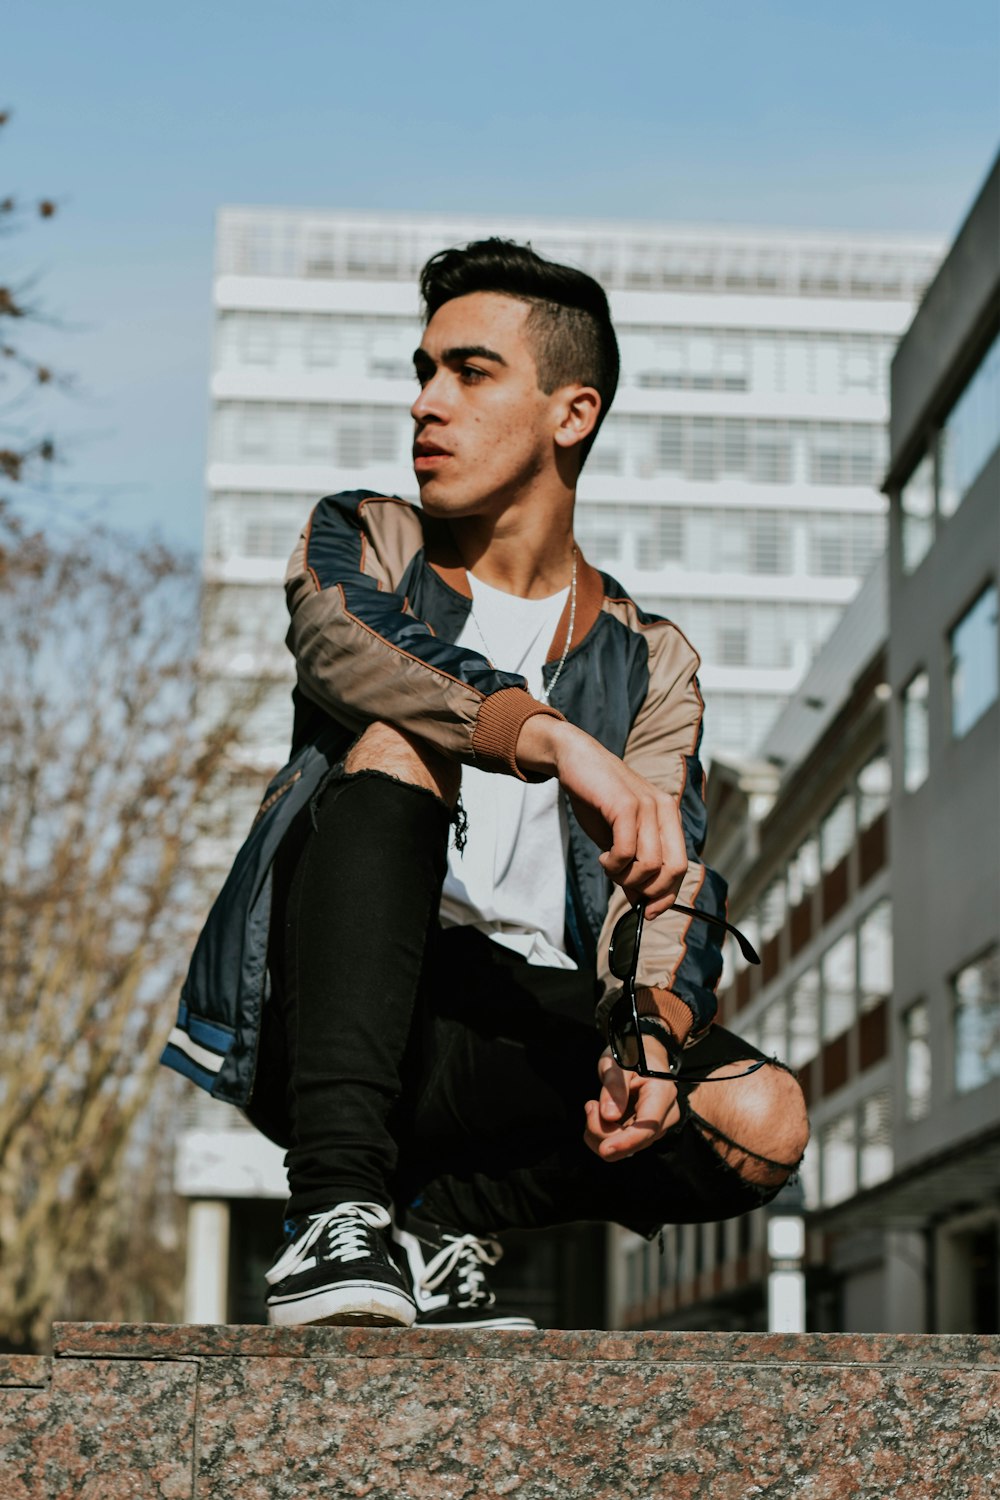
x=190, y=1413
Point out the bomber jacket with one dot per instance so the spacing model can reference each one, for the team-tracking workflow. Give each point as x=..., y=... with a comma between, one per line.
x=378, y=596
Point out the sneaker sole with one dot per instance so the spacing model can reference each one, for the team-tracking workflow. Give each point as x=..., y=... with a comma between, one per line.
x=363, y=1306
x=457, y=1323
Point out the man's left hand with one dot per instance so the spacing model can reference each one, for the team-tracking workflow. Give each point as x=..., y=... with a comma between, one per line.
x=631, y=1112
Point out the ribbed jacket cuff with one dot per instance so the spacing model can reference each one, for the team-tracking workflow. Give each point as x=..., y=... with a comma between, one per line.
x=500, y=721
x=663, y=1004
x=670, y=1009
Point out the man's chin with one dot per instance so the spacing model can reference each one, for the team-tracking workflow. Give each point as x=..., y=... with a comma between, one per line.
x=439, y=499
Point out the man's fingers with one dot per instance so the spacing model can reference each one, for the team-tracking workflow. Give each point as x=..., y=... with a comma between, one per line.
x=652, y=1109
x=663, y=891
x=636, y=858
x=616, y=1086
x=620, y=858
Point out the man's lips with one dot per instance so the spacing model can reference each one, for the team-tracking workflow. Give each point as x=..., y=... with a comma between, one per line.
x=428, y=456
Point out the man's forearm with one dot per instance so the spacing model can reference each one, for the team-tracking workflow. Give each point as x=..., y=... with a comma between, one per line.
x=634, y=823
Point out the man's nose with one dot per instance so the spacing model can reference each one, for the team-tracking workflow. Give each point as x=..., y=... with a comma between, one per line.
x=431, y=404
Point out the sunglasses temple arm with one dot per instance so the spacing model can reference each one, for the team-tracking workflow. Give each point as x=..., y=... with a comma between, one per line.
x=746, y=948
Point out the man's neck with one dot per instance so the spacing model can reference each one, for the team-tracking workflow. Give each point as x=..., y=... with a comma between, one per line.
x=526, y=551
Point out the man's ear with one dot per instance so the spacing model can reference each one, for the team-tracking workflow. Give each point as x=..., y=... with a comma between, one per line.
x=580, y=408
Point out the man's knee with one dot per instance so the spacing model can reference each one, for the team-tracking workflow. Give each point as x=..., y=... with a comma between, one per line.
x=758, y=1124
x=383, y=747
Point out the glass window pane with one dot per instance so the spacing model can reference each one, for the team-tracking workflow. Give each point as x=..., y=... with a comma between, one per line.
x=803, y=1031
x=874, y=784
x=773, y=1030
x=971, y=432
x=257, y=338
x=836, y=834
x=809, y=1176
x=838, y=970
x=838, y=1149
x=977, y=1022
x=916, y=504
x=916, y=732
x=875, y=957
x=321, y=342
x=803, y=871
x=974, y=663
x=875, y=1144
x=917, y=1062
x=772, y=909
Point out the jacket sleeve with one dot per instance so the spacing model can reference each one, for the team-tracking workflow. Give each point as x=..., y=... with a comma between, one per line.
x=361, y=654
x=680, y=960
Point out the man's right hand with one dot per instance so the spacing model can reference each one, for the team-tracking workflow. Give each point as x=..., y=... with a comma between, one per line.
x=637, y=826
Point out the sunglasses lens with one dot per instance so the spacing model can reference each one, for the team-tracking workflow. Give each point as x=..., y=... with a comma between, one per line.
x=622, y=949
x=623, y=1036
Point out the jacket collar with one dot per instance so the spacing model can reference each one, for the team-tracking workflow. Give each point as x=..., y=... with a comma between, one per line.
x=444, y=557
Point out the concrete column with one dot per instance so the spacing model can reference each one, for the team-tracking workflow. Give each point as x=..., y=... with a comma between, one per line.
x=206, y=1286
x=906, y=1296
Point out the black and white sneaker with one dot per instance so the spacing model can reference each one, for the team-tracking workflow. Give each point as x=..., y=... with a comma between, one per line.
x=338, y=1268
x=448, y=1277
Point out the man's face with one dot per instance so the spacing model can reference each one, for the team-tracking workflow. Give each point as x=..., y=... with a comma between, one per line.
x=484, y=430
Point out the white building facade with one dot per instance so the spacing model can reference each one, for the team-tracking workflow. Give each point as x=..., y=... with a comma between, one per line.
x=734, y=486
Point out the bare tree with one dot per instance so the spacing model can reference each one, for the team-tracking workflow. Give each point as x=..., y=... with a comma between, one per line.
x=106, y=773
x=23, y=447
x=112, y=763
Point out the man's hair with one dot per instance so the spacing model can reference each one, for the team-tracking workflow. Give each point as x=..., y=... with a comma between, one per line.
x=569, y=323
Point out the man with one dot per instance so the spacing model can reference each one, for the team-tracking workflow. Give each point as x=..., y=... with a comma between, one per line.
x=432, y=1008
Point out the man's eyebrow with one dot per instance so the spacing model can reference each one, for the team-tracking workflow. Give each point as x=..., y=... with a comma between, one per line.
x=459, y=353
x=472, y=351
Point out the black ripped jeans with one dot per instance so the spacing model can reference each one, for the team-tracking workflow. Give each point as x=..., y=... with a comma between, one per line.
x=437, y=1067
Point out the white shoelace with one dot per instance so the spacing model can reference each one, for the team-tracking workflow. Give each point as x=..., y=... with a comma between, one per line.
x=467, y=1253
x=346, y=1230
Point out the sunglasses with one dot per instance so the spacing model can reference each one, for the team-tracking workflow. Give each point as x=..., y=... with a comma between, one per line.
x=624, y=1033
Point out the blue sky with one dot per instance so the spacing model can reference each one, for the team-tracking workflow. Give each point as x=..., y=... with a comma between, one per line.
x=142, y=121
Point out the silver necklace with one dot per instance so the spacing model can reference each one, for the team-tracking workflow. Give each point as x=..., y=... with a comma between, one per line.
x=569, y=634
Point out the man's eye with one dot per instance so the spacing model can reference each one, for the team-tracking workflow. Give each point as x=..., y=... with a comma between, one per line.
x=473, y=374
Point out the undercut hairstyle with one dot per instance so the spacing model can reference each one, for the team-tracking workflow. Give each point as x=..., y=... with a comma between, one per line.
x=569, y=322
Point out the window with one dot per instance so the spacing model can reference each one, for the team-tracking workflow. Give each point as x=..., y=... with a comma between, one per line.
x=321, y=342
x=838, y=969
x=772, y=909
x=803, y=871
x=974, y=663
x=977, y=1022
x=875, y=1139
x=917, y=1060
x=249, y=524
x=808, y=1176
x=971, y=432
x=916, y=732
x=830, y=540
x=772, y=551
x=874, y=782
x=867, y=543
x=803, y=1030
x=838, y=1159
x=836, y=834
x=773, y=1030
x=916, y=504
x=253, y=431
x=875, y=957
x=316, y=433
x=258, y=338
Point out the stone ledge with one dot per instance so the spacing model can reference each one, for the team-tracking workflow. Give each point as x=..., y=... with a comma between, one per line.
x=253, y=1341
x=185, y=1413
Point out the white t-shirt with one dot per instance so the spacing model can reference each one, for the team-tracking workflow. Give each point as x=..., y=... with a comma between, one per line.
x=510, y=879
